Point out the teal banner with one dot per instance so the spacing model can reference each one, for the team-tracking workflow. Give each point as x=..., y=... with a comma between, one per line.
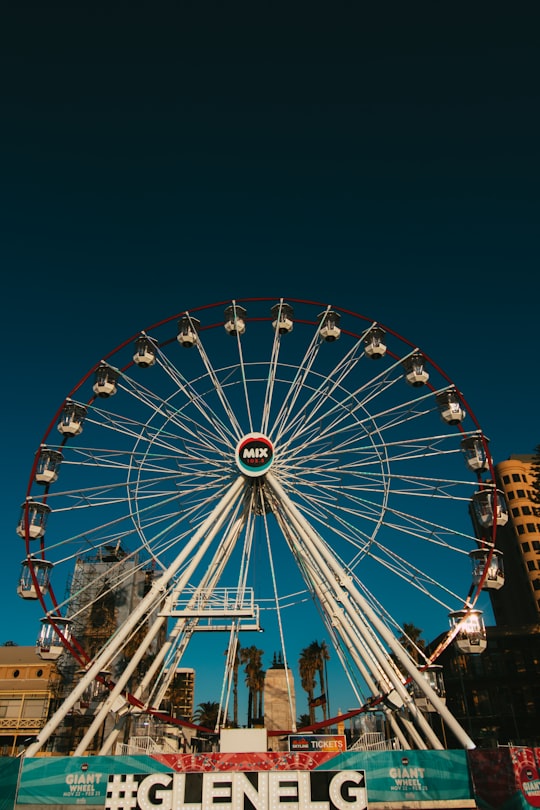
x=9, y=775
x=76, y=780
x=405, y=776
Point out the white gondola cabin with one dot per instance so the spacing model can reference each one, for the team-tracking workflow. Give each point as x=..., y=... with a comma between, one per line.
x=47, y=466
x=235, y=320
x=145, y=351
x=329, y=325
x=434, y=676
x=471, y=637
x=33, y=517
x=450, y=407
x=105, y=381
x=490, y=505
x=374, y=345
x=282, y=318
x=474, y=450
x=71, y=418
x=31, y=587
x=495, y=572
x=188, y=328
x=49, y=644
x=415, y=369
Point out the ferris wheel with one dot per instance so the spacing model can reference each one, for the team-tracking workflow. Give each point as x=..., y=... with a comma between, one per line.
x=259, y=464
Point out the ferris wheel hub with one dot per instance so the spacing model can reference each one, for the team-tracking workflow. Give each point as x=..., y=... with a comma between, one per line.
x=254, y=454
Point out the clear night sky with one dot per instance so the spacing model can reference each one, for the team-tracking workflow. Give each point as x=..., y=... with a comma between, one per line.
x=156, y=158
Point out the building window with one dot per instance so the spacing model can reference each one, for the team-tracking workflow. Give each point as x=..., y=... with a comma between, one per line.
x=526, y=547
x=510, y=495
x=33, y=708
x=535, y=545
x=536, y=584
x=12, y=707
x=526, y=510
x=506, y=479
x=16, y=673
x=521, y=493
x=531, y=565
x=531, y=527
x=520, y=529
x=516, y=477
x=481, y=702
x=39, y=673
x=515, y=511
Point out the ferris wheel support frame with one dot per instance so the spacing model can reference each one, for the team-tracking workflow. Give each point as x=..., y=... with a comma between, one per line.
x=328, y=562
x=331, y=607
x=179, y=626
x=206, y=537
x=333, y=573
x=146, y=604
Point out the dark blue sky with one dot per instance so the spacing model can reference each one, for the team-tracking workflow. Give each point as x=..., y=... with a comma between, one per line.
x=157, y=159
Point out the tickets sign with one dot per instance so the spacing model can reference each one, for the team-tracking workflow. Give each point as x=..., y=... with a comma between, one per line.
x=318, y=742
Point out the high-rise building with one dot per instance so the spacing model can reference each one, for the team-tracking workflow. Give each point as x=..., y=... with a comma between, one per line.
x=495, y=695
x=181, y=693
x=518, y=602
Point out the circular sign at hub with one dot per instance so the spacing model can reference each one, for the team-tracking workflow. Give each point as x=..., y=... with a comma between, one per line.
x=254, y=454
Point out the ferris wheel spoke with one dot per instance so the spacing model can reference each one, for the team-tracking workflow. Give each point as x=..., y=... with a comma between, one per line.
x=400, y=415
x=339, y=404
x=296, y=387
x=171, y=436
x=397, y=520
x=345, y=402
x=282, y=313
x=193, y=396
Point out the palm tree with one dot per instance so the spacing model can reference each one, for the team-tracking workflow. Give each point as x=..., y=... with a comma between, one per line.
x=252, y=658
x=411, y=641
x=303, y=720
x=321, y=655
x=307, y=668
x=259, y=711
x=206, y=714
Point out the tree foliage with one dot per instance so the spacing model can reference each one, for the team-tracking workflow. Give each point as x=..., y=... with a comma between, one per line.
x=535, y=469
x=206, y=714
x=411, y=639
x=252, y=658
x=312, y=663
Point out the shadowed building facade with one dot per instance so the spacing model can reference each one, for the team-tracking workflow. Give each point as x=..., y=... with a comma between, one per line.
x=495, y=695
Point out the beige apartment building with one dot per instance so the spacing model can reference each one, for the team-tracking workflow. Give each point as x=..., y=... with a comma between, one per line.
x=28, y=686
